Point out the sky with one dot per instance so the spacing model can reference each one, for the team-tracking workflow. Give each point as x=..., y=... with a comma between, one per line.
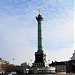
x=18, y=29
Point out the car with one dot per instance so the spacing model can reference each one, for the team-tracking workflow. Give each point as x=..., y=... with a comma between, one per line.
x=10, y=74
x=7, y=73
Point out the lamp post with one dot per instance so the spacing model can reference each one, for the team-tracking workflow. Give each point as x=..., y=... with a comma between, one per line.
x=13, y=61
x=31, y=62
x=48, y=61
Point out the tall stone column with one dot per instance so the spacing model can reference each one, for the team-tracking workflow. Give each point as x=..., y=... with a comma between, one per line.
x=39, y=19
x=40, y=55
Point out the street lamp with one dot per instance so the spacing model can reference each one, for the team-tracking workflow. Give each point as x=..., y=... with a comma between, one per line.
x=49, y=61
x=31, y=62
x=13, y=61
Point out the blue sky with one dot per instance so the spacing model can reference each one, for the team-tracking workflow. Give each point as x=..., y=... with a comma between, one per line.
x=18, y=29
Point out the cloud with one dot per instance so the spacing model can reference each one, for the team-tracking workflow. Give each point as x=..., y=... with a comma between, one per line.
x=18, y=29
x=22, y=54
x=17, y=41
x=59, y=32
x=63, y=54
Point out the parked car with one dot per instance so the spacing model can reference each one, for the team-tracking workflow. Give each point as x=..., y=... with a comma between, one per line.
x=7, y=73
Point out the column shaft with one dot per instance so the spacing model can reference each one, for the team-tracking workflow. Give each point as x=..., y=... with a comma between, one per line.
x=39, y=36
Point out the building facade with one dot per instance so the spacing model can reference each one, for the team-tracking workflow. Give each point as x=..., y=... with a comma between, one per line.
x=71, y=64
x=73, y=56
x=59, y=66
